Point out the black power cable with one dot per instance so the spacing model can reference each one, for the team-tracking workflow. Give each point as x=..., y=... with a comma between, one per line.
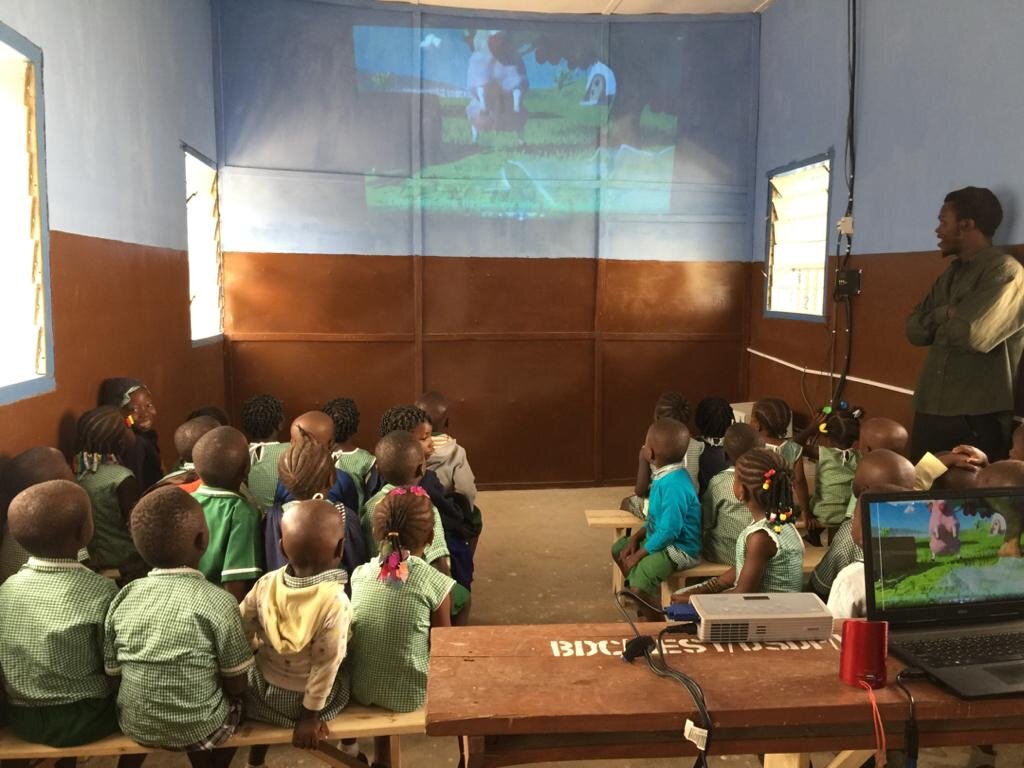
x=910, y=740
x=850, y=167
x=644, y=645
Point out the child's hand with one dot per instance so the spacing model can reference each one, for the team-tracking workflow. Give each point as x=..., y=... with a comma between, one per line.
x=308, y=733
x=629, y=562
x=966, y=457
x=646, y=454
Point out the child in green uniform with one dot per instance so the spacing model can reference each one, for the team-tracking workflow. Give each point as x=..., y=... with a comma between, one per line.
x=355, y=461
x=262, y=420
x=175, y=640
x=113, y=490
x=186, y=436
x=51, y=635
x=299, y=618
x=831, y=441
x=723, y=516
x=234, y=556
x=769, y=551
x=395, y=602
x=28, y=468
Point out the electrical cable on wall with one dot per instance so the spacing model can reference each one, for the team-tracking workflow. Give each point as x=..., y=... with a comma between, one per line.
x=843, y=299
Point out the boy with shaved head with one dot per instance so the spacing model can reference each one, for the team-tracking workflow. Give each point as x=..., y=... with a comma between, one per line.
x=670, y=539
x=185, y=438
x=298, y=618
x=320, y=426
x=51, y=636
x=36, y=465
x=234, y=556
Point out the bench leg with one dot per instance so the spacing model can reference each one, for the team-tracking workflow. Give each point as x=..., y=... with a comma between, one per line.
x=395, y=750
x=335, y=757
x=790, y=760
x=618, y=580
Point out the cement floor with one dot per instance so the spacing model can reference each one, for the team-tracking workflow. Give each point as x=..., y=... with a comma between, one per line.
x=538, y=563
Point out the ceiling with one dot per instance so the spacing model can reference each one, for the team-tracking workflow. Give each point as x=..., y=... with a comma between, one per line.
x=616, y=7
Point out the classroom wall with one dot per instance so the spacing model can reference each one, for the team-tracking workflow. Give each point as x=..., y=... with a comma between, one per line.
x=934, y=113
x=125, y=83
x=552, y=336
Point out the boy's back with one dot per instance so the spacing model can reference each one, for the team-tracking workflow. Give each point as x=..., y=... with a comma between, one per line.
x=53, y=613
x=172, y=636
x=674, y=506
x=451, y=465
x=235, y=549
x=724, y=518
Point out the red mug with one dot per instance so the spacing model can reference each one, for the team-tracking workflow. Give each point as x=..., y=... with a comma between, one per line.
x=864, y=650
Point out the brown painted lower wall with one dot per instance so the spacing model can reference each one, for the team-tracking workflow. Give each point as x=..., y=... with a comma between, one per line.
x=118, y=310
x=552, y=365
x=892, y=284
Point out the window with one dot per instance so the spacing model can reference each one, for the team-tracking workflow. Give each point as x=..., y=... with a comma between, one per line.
x=205, y=264
x=798, y=201
x=26, y=366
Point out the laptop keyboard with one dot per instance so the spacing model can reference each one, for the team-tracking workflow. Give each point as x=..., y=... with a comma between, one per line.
x=966, y=651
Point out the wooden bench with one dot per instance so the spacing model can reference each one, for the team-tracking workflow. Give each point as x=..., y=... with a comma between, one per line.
x=354, y=722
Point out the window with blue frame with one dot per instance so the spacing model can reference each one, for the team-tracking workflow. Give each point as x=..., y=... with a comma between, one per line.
x=798, y=199
x=26, y=366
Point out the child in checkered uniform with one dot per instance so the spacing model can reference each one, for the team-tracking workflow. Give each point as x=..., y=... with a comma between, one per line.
x=395, y=601
x=262, y=419
x=51, y=653
x=176, y=640
x=299, y=618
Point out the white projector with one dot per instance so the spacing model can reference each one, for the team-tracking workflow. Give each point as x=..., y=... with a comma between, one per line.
x=732, y=618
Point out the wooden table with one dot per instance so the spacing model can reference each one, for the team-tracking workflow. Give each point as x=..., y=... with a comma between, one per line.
x=528, y=694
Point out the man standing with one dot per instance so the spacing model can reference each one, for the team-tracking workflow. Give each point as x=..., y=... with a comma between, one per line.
x=973, y=323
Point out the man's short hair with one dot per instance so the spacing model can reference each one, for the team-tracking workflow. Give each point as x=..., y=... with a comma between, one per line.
x=979, y=204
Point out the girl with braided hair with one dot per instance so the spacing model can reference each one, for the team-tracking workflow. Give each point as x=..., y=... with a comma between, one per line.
x=262, y=420
x=769, y=551
x=103, y=434
x=713, y=417
x=396, y=599
x=141, y=455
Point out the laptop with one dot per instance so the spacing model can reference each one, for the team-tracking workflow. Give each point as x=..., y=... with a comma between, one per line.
x=933, y=570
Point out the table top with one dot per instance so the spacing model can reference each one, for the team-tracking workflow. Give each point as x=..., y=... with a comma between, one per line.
x=570, y=677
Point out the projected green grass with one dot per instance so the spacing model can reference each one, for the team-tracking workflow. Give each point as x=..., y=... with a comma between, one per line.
x=554, y=166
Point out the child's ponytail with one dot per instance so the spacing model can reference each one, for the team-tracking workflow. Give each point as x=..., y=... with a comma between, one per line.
x=769, y=478
x=398, y=521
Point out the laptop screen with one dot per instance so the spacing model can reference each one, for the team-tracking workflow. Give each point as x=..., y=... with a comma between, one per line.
x=941, y=554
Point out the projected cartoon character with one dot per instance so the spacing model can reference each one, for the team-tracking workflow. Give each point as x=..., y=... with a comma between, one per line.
x=943, y=530
x=601, y=85
x=496, y=80
x=998, y=525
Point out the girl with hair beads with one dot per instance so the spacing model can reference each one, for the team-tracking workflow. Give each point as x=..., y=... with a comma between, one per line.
x=772, y=418
x=769, y=551
x=396, y=599
x=142, y=455
x=713, y=417
x=832, y=441
x=103, y=435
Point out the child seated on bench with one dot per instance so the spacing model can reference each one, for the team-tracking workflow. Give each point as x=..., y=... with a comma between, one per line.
x=307, y=471
x=175, y=640
x=298, y=618
x=320, y=427
x=670, y=539
x=670, y=405
x=769, y=551
x=395, y=601
x=714, y=415
x=112, y=488
x=355, y=461
x=28, y=468
x=723, y=515
x=51, y=634
x=262, y=419
x=234, y=557
x=186, y=436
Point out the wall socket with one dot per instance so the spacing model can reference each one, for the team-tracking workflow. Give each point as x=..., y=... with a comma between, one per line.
x=847, y=283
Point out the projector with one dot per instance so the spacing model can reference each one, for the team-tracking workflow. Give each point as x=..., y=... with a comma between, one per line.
x=732, y=618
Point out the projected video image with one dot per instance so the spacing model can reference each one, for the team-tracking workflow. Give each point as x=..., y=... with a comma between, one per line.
x=520, y=123
x=947, y=551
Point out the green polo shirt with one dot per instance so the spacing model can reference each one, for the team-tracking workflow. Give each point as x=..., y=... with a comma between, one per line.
x=390, y=646
x=435, y=550
x=171, y=637
x=973, y=355
x=235, y=551
x=51, y=635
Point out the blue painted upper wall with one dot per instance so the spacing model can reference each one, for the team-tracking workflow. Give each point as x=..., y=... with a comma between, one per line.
x=125, y=82
x=938, y=108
